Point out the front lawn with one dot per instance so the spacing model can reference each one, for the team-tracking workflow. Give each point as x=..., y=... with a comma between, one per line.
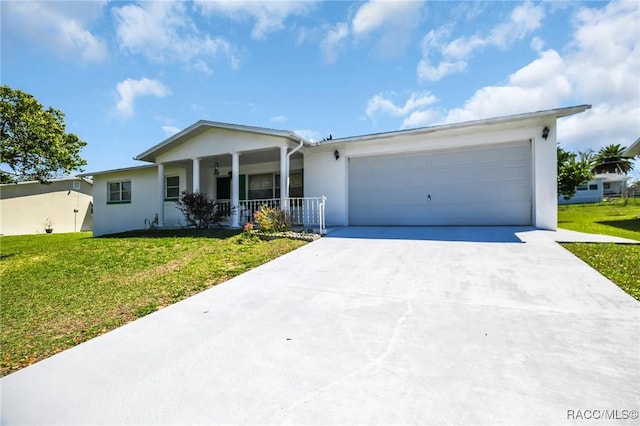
x=618, y=262
x=59, y=290
x=610, y=218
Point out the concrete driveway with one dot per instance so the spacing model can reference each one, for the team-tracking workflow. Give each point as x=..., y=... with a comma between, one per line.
x=366, y=326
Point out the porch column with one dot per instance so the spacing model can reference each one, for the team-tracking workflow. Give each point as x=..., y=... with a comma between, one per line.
x=196, y=175
x=235, y=189
x=161, y=194
x=284, y=178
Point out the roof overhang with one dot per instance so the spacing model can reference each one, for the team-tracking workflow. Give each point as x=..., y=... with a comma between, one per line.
x=633, y=150
x=551, y=113
x=124, y=169
x=612, y=177
x=204, y=125
x=65, y=179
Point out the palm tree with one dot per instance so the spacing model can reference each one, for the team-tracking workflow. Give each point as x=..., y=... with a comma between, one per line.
x=610, y=160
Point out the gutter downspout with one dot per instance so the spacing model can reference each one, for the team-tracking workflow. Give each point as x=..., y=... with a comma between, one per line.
x=293, y=151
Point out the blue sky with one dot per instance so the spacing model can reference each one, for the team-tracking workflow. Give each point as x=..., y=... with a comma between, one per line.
x=129, y=74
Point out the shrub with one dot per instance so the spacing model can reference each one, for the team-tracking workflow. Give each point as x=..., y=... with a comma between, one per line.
x=198, y=209
x=270, y=219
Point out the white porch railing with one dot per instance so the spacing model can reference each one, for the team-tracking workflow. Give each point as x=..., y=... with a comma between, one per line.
x=303, y=211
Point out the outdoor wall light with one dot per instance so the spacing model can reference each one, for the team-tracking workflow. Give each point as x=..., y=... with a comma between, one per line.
x=216, y=171
x=545, y=132
x=336, y=154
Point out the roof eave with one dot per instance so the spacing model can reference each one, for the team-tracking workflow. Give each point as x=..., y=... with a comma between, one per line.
x=633, y=150
x=149, y=156
x=557, y=113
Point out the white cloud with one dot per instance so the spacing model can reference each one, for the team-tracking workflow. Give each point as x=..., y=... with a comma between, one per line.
x=539, y=85
x=599, y=66
x=392, y=21
x=164, y=32
x=269, y=16
x=278, y=119
x=333, y=42
x=414, y=110
x=420, y=118
x=60, y=27
x=129, y=89
x=523, y=20
x=603, y=63
x=537, y=44
x=170, y=130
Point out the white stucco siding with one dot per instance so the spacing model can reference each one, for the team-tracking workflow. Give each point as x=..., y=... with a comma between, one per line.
x=25, y=207
x=545, y=176
x=324, y=175
x=113, y=218
x=218, y=142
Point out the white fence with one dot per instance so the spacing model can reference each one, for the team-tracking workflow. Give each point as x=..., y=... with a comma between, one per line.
x=303, y=211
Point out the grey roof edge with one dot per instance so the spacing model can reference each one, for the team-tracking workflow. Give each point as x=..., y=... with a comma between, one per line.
x=123, y=169
x=556, y=112
x=219, y=125
x=633, y=150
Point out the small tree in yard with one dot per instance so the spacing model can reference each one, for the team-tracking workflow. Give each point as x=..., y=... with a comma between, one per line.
x=572, y=172
x=198, y=210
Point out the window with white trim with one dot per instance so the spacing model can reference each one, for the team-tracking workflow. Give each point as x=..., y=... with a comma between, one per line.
x=172, y=187
x=119, y=192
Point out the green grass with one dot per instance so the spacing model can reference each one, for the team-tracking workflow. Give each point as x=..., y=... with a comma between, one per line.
x=618, y=262
x=613, y=218
x=59, y=290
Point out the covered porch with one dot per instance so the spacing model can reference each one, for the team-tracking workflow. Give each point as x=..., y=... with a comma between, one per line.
x=240, y=167
x=240, y=183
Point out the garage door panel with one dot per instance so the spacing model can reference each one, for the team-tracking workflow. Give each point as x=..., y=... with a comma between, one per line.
x=475, y=186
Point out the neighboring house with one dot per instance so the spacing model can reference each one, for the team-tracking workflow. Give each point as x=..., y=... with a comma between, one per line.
x=599, y=188
x=498, y=171
x=29, y=207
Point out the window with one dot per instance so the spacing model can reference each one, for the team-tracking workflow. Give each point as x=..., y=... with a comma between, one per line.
x=267, y=186
x=593, y=187
x=172, y=187
x=607, y=186
x=76, y=185
x=119, y=192
x=261, y=187
x=295, y=185
x=581, y=188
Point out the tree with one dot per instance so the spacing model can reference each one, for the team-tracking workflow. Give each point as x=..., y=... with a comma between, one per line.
x=572, y=172
x=610, y=160
x=34, y=144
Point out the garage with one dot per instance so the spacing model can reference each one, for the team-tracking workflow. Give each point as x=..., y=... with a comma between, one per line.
x=482, y=185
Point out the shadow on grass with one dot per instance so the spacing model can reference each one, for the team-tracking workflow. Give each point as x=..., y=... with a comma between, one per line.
x=628, y=224
x=220, y=234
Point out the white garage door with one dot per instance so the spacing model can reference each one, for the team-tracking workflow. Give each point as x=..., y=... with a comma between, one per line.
x=488, y=185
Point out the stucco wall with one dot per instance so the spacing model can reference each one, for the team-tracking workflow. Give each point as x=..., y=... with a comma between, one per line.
x=112, y=218
x=220, y=141
x=25, y=207
x=326, y=176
